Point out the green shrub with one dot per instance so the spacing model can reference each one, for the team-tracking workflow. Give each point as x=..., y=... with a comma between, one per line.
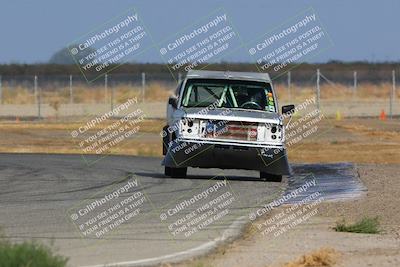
x=28, y=254
x=364, y=226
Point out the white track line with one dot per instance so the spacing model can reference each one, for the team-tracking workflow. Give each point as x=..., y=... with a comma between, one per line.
x=232, y=230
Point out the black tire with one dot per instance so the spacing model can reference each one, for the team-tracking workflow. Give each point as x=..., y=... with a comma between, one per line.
x=268, y=177
x=165, y=140
x=167, y=171
x=178, y=172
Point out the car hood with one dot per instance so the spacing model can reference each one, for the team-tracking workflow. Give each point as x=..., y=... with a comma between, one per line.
x=231, y=115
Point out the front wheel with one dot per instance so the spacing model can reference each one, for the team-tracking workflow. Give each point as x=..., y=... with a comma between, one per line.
x=165, y=140
x=175, y=172
x=167, y=171
x=268, y=177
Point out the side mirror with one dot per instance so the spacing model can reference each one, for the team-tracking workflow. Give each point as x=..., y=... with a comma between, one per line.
x=173, y=101
x=287, y=109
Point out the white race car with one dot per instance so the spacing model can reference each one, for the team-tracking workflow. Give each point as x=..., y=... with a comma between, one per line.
x=226, y=120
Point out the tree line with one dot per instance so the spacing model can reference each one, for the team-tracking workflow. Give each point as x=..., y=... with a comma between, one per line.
x=335, y=70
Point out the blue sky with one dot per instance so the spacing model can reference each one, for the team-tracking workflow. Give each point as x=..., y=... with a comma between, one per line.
x=360, y=30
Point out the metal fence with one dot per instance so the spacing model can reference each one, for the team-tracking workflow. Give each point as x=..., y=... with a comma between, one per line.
x=39, y=86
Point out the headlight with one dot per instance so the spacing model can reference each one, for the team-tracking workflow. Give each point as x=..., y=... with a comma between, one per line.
x=271, y=133
x=189, y=127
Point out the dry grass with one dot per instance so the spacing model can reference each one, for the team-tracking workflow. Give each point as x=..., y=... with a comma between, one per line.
x=18, y=95
x=84, y=94
x=372, y=132
x=65, y=146
x=351, y=140
x=364, y=226
x=336, y=92
x=357, y=140
x=160, y=92
x=319, y=258
x=146, y=126
x=55, y=137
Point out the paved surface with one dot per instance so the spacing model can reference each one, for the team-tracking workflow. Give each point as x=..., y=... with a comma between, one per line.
x=40, y=194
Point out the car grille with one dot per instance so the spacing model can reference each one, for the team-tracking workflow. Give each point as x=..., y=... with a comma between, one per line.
x=231, y=130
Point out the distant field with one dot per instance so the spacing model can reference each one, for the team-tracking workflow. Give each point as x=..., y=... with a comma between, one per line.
x=368, y=100
x=85, y=94
x=159, y=92
x=337, y=92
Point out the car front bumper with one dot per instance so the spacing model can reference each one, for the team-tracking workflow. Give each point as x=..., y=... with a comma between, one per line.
x=227, y=155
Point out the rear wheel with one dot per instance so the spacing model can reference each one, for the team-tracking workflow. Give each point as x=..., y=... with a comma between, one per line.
x=268, y=177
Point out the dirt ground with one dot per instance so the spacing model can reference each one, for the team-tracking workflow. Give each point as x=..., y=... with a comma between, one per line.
x=373, y=145
x=55, y=137
x=352, y=140
x=351, y=250
x=347, y=140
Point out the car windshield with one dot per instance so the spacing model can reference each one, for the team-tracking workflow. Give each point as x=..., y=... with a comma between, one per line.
x=228, y=94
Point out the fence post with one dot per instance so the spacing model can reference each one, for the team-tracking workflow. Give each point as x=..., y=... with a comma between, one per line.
x=38, y=96
x=1, y=91
x=105, y=88
x=35, y=93
x=71, y=98
x=318, y=89
x=143, y=85
x=179, y=77
x=289, y=81
x=354, y=83
x=112, y=97
x=392, y=93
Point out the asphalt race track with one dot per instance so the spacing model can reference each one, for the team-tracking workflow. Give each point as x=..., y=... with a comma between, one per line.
x=41, y=193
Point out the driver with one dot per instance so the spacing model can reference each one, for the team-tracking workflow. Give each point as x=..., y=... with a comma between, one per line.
x=249, y=95
x=241, y=97
x=256, y=97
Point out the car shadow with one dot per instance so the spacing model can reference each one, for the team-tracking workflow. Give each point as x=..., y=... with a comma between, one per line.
x=200, y=177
